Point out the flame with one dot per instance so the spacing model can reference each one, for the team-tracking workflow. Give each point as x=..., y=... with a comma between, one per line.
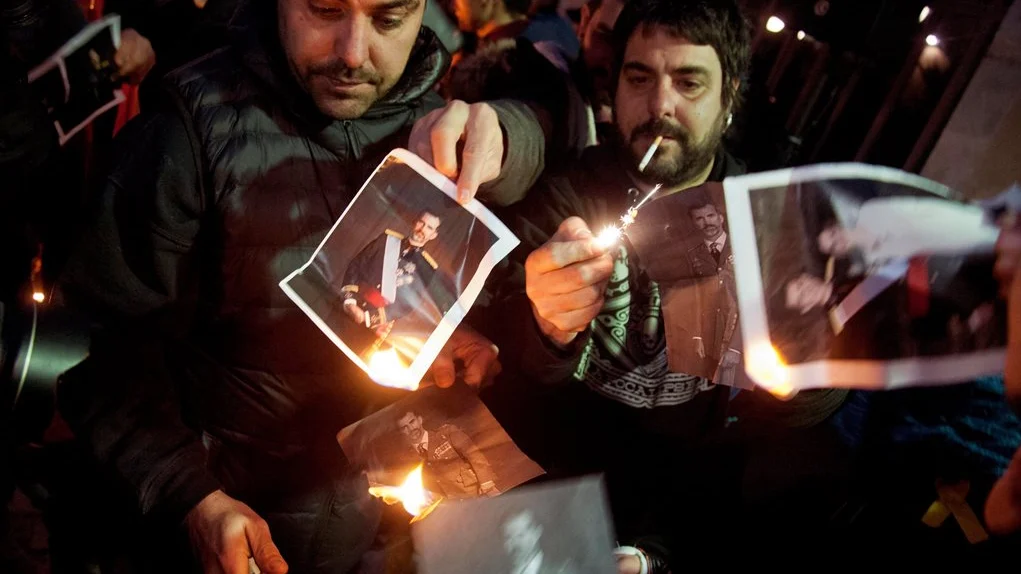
x=387, y=369
x=608, y=236
x=417, y=501
x=768, y=370
x=38, y=296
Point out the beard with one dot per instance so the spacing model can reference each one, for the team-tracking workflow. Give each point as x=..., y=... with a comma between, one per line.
x=669, y=166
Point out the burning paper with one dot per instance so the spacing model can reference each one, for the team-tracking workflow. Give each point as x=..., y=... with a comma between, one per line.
x=386, y=368
x=860, y=276
x=412, y=495
x=443, y=440
x=399, y=270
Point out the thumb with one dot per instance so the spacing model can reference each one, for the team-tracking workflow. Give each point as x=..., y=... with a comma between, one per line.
x=472, y=167
x=574, y=228
x=443, y=370
x=267, y=555
x=480, y=363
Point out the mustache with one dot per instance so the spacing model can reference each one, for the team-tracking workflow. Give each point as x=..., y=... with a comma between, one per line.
x=338, y=70
x=660, y=127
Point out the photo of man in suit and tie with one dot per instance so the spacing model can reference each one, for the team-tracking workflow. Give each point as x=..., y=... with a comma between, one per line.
x=716, y=298
x=454, y=466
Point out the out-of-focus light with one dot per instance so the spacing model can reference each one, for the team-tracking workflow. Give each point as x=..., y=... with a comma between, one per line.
x=801, y=34
x=607, y=237
x=924, y=14
x=932, y=40
x=38, y=296
x=774, y=24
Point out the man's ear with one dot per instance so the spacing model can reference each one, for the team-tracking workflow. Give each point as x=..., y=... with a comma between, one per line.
x=735, y=89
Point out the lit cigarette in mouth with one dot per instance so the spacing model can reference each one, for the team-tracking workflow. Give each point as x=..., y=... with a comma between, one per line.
x=650, y=153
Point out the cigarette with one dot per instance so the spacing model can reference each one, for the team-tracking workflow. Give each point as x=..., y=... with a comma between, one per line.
x=650, y=153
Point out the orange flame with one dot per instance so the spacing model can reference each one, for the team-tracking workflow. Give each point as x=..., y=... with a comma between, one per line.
x=417, y=501
x=768, y=370
x=387, y=369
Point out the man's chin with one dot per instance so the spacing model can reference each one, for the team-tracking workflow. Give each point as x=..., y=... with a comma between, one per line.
x=343, y=108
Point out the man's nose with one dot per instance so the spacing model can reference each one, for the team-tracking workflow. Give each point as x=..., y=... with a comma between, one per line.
x=351, y=44
x=663, y=99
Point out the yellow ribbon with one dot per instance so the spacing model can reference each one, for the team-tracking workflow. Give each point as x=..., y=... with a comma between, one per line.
x=953, y=500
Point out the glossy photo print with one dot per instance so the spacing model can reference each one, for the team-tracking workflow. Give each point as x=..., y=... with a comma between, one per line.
x=399, y=270
x=861, y=276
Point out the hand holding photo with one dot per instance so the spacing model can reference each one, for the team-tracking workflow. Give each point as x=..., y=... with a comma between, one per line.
x=860, y=276
x=399, y=270
x=77, y=82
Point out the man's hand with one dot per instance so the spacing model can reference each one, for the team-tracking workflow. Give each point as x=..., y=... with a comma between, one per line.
x=477, y=354
x=1008, y=272
x=566, y=279
x=628, y=564
x=1003, y=507
x=435, y=138
x=699, y=347
x=134, y=58
x=728, y=368
x=225, y=532
x=355, y=312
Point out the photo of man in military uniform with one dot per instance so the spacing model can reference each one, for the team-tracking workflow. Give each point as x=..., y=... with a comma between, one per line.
x=454, y=465
x=395, y=288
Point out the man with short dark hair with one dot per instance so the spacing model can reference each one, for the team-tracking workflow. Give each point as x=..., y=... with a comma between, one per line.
x=209, y=394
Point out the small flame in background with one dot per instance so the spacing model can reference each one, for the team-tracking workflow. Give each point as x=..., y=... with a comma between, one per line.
x=387, y=369
x=768, y=370
x=608, y=236
x=417, y=501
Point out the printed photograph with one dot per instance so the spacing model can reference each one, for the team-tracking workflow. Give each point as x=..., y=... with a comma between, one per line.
x=399, y=270
x=554, y=528
x=463, y=450
x=77, y=83
x=682, y=242
x=857, y=270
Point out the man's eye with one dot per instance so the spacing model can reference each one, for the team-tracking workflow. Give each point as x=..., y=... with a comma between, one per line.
x=638, y=81
x=390, y=23
x=328, y=11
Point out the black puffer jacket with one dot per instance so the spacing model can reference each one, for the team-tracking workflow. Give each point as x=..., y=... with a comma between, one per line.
x=211, y=205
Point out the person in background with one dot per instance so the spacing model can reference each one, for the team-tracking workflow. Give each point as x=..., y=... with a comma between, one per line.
x=495, y=20
x=595, y=31
x=1003, y=507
